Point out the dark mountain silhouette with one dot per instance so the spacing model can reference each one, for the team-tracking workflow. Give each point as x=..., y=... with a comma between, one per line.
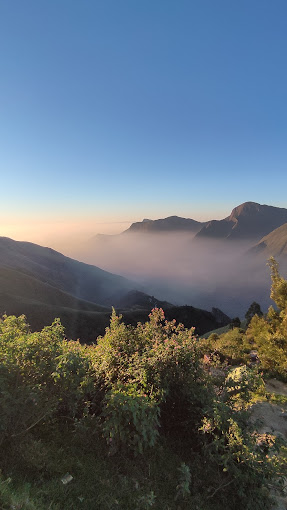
x=248, y=221
x=139, y=300
x=170, y=224
x=274, y=244
x=190, y=316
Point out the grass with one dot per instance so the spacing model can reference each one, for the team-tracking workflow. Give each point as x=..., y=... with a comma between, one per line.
x=100, y=481
x=221, y=331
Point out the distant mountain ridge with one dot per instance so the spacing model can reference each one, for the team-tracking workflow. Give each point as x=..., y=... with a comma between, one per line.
x=170, y=224
x=250, y=221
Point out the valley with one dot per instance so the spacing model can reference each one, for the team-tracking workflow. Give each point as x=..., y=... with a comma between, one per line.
x=186, y=267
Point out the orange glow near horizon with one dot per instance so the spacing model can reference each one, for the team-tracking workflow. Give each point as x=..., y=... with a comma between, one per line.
x=58, y=232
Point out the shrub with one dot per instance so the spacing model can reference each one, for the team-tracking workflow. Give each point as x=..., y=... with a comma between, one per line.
x=153, y=371
x=131, y=419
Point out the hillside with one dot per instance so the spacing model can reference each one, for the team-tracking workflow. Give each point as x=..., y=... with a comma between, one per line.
x=81, y=280
x=41, y=303
x=43, y=284
x=136, y=299
x=274, y=243
x=248, y=221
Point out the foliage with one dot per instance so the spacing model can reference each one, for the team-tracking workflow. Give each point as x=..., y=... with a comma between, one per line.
x=235, y=323
x=130, y=419
x=183, y=487
x=231, y=346
x=152, y=371
x=265, y=335
x=268, y=335
x=247, y=463
x=131, y=409
x=279, y=285
x=241, y=382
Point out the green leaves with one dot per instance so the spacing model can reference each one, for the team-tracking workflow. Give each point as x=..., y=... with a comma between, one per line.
x=131, y=419
x=143, y=369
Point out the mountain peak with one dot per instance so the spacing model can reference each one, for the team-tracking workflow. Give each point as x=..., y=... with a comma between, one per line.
x=245, y=209
x=247, y=221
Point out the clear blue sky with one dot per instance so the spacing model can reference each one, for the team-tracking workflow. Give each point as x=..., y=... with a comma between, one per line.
x=116, y=110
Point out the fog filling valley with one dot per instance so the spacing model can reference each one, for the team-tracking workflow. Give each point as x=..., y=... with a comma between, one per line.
x=180, y=269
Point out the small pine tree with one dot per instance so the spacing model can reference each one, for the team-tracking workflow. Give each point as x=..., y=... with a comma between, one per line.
x=235, y=323
x=254, y=309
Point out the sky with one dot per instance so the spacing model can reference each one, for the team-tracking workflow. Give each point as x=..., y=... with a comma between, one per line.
x=112, y=111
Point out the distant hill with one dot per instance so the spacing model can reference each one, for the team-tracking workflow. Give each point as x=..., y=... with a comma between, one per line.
x=248, y=221
x=43, y=284
x=83, y=281
x=274, y=243
x=170, y=224
x=139, y=300
x=41, y=303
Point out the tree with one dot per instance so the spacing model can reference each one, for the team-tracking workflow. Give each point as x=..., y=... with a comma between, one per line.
x=279, y=285
x=254, y=309
x=235, y=323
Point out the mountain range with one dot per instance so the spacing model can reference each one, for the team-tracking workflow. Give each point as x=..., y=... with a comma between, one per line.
x=248, y=221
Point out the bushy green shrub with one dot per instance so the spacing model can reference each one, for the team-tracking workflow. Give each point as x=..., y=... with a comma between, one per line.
x=232, y=345
x=248, y=465
x=130, y=419
x=241, y=382
x=153, y=370
x=42, y=376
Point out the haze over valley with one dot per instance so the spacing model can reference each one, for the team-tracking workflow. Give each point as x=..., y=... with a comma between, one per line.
x=201, y=273
x=183, y=261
